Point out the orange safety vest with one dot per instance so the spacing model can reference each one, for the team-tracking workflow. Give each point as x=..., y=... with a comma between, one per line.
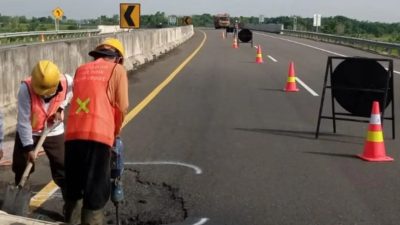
x=38, y=113
x=91, y=115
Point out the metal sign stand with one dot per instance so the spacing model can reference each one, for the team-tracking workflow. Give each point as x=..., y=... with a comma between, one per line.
x=387, y=92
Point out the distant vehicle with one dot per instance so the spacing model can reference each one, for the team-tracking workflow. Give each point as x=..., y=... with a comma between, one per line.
x=221, y=21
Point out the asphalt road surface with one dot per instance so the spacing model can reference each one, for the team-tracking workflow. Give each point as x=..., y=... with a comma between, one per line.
x=220, y=143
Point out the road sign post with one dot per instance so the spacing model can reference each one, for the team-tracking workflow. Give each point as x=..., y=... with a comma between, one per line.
x=187, y=20
x=317, y=21
x=129, y=15
x=172, y=20
x=261, y=19
x=58, y=13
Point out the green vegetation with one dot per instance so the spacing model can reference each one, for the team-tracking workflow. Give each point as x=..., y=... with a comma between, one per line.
x=338, y=25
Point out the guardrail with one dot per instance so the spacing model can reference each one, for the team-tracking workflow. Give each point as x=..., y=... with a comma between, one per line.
x=383, y=48
x=42, y=36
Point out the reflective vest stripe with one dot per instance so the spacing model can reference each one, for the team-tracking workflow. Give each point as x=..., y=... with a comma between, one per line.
x=92, y=115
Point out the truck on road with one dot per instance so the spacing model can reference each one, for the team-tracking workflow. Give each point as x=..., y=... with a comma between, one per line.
x=221, y=21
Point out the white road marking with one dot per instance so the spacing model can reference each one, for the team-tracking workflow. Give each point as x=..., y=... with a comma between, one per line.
x=306, y=87
x=201, y=221
x=310, y=46
x=195, y=168
x=299, y=43
x=272, y=58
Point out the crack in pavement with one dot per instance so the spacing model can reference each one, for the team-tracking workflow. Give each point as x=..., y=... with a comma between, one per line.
x=147, y=203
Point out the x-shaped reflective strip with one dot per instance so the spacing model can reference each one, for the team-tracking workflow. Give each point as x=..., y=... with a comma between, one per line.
x=82, y=105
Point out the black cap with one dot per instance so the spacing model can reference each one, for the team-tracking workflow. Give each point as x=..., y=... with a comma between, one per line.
x=103, y=52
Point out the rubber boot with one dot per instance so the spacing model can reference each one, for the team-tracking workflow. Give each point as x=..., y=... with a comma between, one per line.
x=92, y=217
x=72, y=211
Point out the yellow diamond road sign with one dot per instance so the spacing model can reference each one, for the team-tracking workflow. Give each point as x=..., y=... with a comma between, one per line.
x=187, y=20
x=58, y=13
x=129, y=15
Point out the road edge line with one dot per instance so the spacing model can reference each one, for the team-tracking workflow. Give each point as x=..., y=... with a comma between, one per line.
x=133, y=113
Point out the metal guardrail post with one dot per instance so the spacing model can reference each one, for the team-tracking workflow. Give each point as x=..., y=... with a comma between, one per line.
x=41, y=36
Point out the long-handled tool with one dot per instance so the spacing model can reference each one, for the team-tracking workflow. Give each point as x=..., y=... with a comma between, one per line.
x=117, y=168
x=17, y=198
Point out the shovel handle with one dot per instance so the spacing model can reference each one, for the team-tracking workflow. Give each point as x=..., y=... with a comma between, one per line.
x=38, y=146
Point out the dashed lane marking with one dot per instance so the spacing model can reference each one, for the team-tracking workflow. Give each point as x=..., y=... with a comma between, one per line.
x=201, y=221
x=306, y=87
x=272, y=58
x=310, y=46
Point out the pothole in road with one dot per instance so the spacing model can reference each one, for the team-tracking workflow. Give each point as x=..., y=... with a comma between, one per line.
x=146, y=203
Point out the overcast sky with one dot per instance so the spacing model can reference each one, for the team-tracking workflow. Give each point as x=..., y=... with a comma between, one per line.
x=367, y=10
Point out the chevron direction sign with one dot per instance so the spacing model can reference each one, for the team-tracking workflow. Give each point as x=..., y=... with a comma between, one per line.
x=129, y=15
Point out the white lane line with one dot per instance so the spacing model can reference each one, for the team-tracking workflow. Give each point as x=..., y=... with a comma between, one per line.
x=195, y=168
x=299, y=43
x=306, y=87
x=201, y=221
x=272, y=58
x=310, y=46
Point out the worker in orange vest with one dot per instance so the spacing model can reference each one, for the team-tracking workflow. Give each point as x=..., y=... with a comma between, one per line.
x=42, y=98
x=95, y=118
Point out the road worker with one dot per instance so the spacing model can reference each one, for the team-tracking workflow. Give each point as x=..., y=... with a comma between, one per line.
x=42, y=98
x=95, y=118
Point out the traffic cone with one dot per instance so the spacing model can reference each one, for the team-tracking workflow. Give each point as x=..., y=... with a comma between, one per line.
x=235, y=44
x=42, y=37
x=291, y=80
x=259, y=58
x=374, y=148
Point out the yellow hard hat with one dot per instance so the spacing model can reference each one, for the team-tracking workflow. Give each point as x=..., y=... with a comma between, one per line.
x=45, y=78
x=110, y=42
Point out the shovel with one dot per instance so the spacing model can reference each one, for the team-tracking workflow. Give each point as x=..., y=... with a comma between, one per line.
x=17, y=198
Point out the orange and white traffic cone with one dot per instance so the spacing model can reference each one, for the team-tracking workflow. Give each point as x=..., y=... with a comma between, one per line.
x=259, y=58
x=374, y=147
x=291, y=80
x=235, y=44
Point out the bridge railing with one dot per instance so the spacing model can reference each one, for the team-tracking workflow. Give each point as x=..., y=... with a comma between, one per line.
x=42, y=36
x=384, y=48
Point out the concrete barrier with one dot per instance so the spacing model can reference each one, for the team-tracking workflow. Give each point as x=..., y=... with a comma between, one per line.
x=270, y=27
x=16, y=63
x=107, y=29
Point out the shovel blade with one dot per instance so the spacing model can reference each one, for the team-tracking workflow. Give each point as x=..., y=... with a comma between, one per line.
x=16, y=200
